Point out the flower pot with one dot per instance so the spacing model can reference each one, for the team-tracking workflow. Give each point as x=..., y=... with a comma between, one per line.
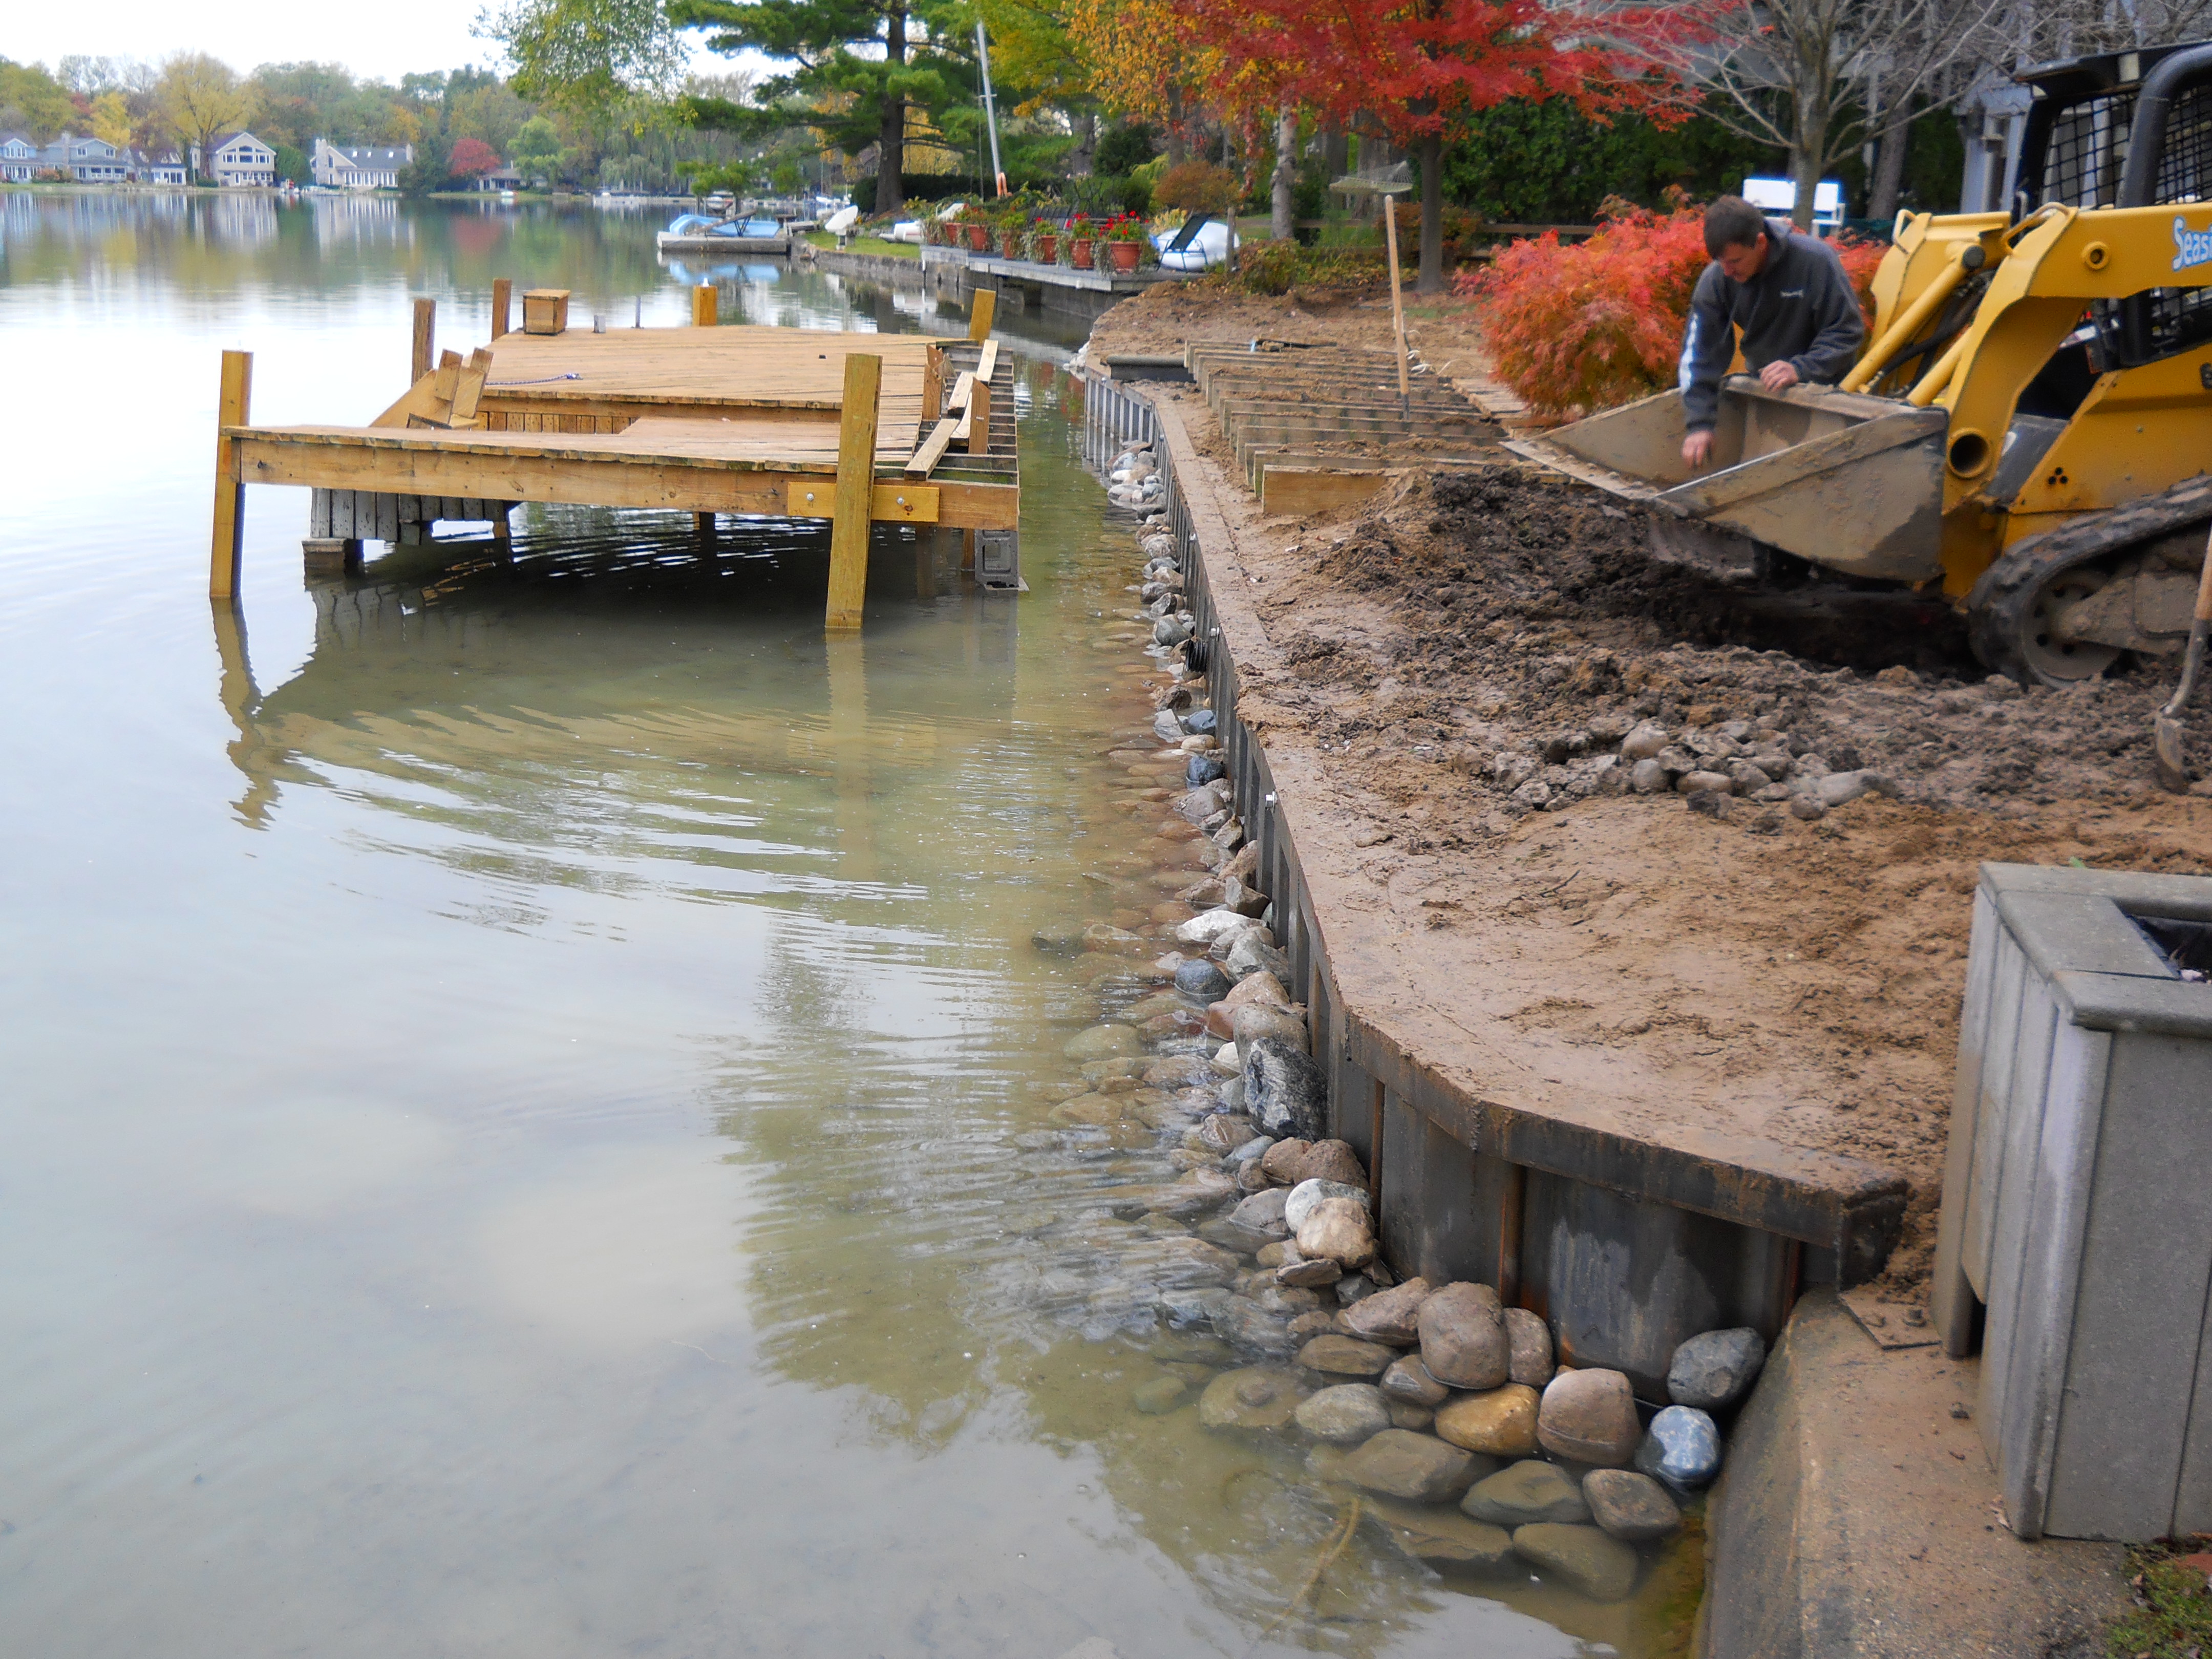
x=1079, y=253
x=979, y=238
x=1125, y=256
x=1010, y=245
x=1048, y=250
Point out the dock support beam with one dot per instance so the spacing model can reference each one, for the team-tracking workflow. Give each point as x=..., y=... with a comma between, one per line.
x=426, y=326
x=502, y=297
x=852, y=507
x=981, y=309
x=705, y=306
x=233, y=407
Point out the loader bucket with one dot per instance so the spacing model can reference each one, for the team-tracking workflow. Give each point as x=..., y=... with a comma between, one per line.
x=1852, y=482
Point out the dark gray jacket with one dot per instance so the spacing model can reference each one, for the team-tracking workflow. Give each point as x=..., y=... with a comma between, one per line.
x=1800, y=307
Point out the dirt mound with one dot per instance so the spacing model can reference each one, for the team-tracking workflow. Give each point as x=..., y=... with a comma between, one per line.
x=1549, y=596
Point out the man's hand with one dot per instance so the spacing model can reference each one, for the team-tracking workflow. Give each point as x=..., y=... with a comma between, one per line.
x=1778, y=375
x=1697, y=448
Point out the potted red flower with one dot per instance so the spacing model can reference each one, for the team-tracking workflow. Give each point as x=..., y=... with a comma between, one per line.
x=1081, y=243
x=1044, y=245
x=1125, y=241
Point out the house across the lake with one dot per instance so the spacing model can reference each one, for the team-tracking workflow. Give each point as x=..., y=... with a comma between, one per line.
x=237, y=158
x=358, y=166
x=82, y=160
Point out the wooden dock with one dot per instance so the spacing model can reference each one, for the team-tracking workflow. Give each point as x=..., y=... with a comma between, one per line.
x=860, y=429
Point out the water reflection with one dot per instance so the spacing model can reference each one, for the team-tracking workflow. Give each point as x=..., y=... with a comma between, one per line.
x=533, y=1119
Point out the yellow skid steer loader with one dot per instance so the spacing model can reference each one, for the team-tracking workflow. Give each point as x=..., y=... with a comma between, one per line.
x=2029, y=431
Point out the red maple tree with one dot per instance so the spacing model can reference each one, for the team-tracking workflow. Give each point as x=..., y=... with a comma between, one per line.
x=472, y=158
x=1413, y=67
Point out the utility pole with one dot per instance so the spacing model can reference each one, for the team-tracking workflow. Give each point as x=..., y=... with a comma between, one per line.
x=990, y=109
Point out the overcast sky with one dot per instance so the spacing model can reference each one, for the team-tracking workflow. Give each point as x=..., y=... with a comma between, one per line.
x=380, y=41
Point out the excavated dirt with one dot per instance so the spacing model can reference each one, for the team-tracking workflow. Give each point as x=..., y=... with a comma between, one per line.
x=1437, y=651
x=1440, y=331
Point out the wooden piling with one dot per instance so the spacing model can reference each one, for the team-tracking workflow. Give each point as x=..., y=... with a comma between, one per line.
x=853, y=504
x=705, y=304
x=502, y=298
x=980, y=311
x=426, y=326
x=233, y=407
x=979, y=418
x=932, y=386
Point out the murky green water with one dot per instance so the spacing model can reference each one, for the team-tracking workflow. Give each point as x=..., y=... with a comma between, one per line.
x=526, y=1120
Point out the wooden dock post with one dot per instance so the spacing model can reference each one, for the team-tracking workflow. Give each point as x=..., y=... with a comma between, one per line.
x=705, y=305
x=233, y=407
x=979, y=417
x=932, y=384
x=853, y=506
x=502, y=297
x=981, y=309
x=426, y=326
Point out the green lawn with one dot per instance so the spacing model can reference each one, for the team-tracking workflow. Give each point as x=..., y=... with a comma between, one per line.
x=867, y=245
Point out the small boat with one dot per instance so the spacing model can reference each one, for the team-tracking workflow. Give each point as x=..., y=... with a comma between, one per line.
x=698, y=232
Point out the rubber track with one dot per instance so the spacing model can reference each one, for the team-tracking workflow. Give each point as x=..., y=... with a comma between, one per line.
x=1998, y=606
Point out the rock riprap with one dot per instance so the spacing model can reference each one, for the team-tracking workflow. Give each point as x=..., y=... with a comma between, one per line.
x=1254, y=1398
x=1528, y=1491
x=1500, y=1423
x=1286, y=1092
x=1102, y=1042
x=1528, y=1346
x=1303, y=1199
x=1419, y=1467
x=1444, y=1539
x=1463, y=1332
x=1602, y=1568
x=1347, y=1415
x=1406, y=1380
x=1632, y=1507
x=1393, y=1316
x=1713, y=1371
x=1589, y=1417
x=1345, y=1356
x=1337, y=1230
x=1683, y=1449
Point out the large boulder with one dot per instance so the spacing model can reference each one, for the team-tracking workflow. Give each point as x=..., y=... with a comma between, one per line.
x=1345, y=1356
x=1405, y=1381
x=1501, y=1423
x=1337, y=1230
x=1602, y=1568
x=1392, y=1316
x=1462, y=1331
x=1348, y=1414
x=1419, y=1467
x=1309, y=1195
x=1256, y=1398
x=1589, y=1417
x=1257, y=1022
x=1528, y=1343
x=1713, y=1371
x=1632, y=1507
x=1683, y=1449
x=1286, y=1092
x=1102, y=1042
x=1527, y=1492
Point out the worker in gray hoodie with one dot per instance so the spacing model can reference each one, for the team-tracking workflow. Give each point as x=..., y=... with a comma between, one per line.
x=1787, y=291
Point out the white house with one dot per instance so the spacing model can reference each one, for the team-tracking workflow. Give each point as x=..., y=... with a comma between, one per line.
x=359, y=167
x=165, y=168
x=19, y=158
x=238, y=158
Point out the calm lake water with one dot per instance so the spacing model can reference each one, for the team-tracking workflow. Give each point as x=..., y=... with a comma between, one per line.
x=526, y=1120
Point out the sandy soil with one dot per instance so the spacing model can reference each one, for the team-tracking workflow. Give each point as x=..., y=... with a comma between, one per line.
x=1159, y=322
x=1437, y=651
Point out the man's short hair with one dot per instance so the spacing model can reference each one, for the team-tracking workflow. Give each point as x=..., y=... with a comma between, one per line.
x=1731, y=222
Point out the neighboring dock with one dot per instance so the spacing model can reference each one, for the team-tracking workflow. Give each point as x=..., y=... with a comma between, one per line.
x=857, y=429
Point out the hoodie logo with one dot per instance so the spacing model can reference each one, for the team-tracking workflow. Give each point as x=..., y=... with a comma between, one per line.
x=1793, y=292
x=2190, y=247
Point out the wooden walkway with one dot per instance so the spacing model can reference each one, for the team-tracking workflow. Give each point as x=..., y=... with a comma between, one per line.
x=858, y=429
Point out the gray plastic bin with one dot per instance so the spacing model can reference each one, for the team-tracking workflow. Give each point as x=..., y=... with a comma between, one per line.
x=2077, y=1198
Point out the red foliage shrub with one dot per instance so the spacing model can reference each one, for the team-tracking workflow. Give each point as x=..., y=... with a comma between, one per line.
x=471, y=158
x=1576, y=327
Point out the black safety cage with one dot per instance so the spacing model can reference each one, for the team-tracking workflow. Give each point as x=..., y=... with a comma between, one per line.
x=2131, y=129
